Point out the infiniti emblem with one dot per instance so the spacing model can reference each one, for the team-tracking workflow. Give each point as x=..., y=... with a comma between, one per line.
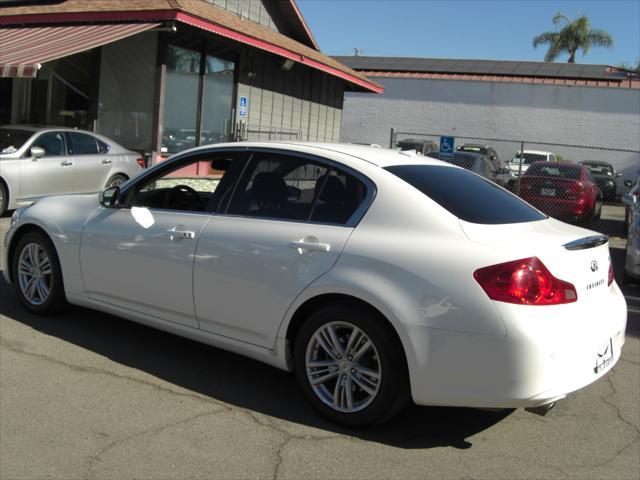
x=594, y=266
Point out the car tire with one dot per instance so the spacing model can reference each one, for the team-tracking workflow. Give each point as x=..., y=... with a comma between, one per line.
x=351, y=395
x=37, y=276
x=4, y=199
x=116, y=180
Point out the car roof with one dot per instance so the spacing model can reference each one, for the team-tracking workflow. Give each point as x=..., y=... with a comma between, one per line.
x=595, y=162
x=32, y=127
x=475, y=145
x=381, y=157
x=537, y=152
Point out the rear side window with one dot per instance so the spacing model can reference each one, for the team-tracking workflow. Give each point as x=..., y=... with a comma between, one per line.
x=467, y=196
x=289, y=187
x=102, y=147
x=82, y=144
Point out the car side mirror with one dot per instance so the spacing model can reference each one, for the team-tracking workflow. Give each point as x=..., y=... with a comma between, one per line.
x=109, y=198
x=627, y=183
x=37, y=152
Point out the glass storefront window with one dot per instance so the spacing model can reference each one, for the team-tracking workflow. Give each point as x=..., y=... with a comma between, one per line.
x=183, y=79
x=126, y=98
x=217, y=100
x=59, y=95
x=181, y=99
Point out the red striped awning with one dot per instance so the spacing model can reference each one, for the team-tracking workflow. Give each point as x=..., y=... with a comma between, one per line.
x=22, y=50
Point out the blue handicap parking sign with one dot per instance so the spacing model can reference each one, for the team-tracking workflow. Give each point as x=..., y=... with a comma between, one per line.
x=243, y=102
x=446, y=146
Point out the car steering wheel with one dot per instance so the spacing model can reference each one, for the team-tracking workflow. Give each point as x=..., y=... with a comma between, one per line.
x=182, y=197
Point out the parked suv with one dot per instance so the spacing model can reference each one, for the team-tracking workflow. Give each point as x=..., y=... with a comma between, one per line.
x=488, y=165
x=526, y=158
x=605, y=177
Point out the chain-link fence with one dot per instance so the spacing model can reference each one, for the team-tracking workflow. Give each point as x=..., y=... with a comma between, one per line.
x=561, y=188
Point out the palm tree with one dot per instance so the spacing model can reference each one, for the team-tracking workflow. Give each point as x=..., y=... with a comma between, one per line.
x=573, y=36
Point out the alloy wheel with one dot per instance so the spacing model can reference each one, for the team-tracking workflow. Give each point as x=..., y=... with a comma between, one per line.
x=343, y=367
x=34, y=273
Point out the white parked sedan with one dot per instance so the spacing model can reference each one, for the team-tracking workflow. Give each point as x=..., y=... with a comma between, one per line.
x=36, y=161
x=377, y=276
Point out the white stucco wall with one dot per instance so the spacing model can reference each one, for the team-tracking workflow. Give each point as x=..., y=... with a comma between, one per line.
x=602, y=117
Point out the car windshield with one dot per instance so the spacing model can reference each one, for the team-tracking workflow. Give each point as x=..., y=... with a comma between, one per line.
x=571, y=172
x=467, y=196
x=529, y=158
x=599, y=169
x=11, y=139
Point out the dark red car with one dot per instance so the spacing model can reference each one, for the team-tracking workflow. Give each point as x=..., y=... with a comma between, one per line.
x=564, y=191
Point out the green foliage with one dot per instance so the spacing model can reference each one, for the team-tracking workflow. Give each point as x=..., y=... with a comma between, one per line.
x=573, y=36
x=629, y=66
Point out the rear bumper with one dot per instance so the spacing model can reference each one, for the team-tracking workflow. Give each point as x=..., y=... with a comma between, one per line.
x=548, y=353
x=560, y=208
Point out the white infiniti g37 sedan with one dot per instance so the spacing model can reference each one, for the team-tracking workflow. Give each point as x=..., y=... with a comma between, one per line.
x=375, y=275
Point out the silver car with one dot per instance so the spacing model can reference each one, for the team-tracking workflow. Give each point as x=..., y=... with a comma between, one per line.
x=37, y=161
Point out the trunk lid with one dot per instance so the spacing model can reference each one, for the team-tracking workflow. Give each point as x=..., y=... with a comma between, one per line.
x=562, y=188
x=572, y=254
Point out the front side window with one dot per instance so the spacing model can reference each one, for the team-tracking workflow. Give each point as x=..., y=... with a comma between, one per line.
x=83, y=144
x=467, y=196
x=52, y=143
x=196, y=185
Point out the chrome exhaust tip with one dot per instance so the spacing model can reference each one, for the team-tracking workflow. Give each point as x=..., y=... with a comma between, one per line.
x=542, y=410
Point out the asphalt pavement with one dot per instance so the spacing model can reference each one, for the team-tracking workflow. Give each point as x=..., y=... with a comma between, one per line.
x=89, y=395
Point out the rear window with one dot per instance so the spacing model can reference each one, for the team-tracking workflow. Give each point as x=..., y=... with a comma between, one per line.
x=467, y=196
x=553, y=171
x=462, y=160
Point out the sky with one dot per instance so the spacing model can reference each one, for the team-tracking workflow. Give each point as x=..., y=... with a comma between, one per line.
x=471, y=29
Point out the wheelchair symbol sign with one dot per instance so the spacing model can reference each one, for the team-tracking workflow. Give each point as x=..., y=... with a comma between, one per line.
x=446, y=146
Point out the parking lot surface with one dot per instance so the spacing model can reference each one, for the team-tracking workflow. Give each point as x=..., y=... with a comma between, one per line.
x=89, y=395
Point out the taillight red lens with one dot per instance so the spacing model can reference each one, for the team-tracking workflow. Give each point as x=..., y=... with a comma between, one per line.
x=611, y=274
x=526, y=282
x=141, y=162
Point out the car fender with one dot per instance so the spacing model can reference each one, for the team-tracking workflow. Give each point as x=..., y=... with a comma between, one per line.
x=62, y=218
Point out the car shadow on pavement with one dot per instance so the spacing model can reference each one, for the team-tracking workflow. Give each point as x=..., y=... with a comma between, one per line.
x=238, y=380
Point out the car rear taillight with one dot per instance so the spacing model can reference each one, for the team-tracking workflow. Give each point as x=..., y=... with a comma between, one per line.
x=575, y=190
x=141, y=162
x=611, y=275
x=525, y=282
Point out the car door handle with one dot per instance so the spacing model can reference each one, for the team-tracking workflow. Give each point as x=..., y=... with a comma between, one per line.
x=66, y=163
x=302, y=246
x=176, y=235
x=106, y=162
